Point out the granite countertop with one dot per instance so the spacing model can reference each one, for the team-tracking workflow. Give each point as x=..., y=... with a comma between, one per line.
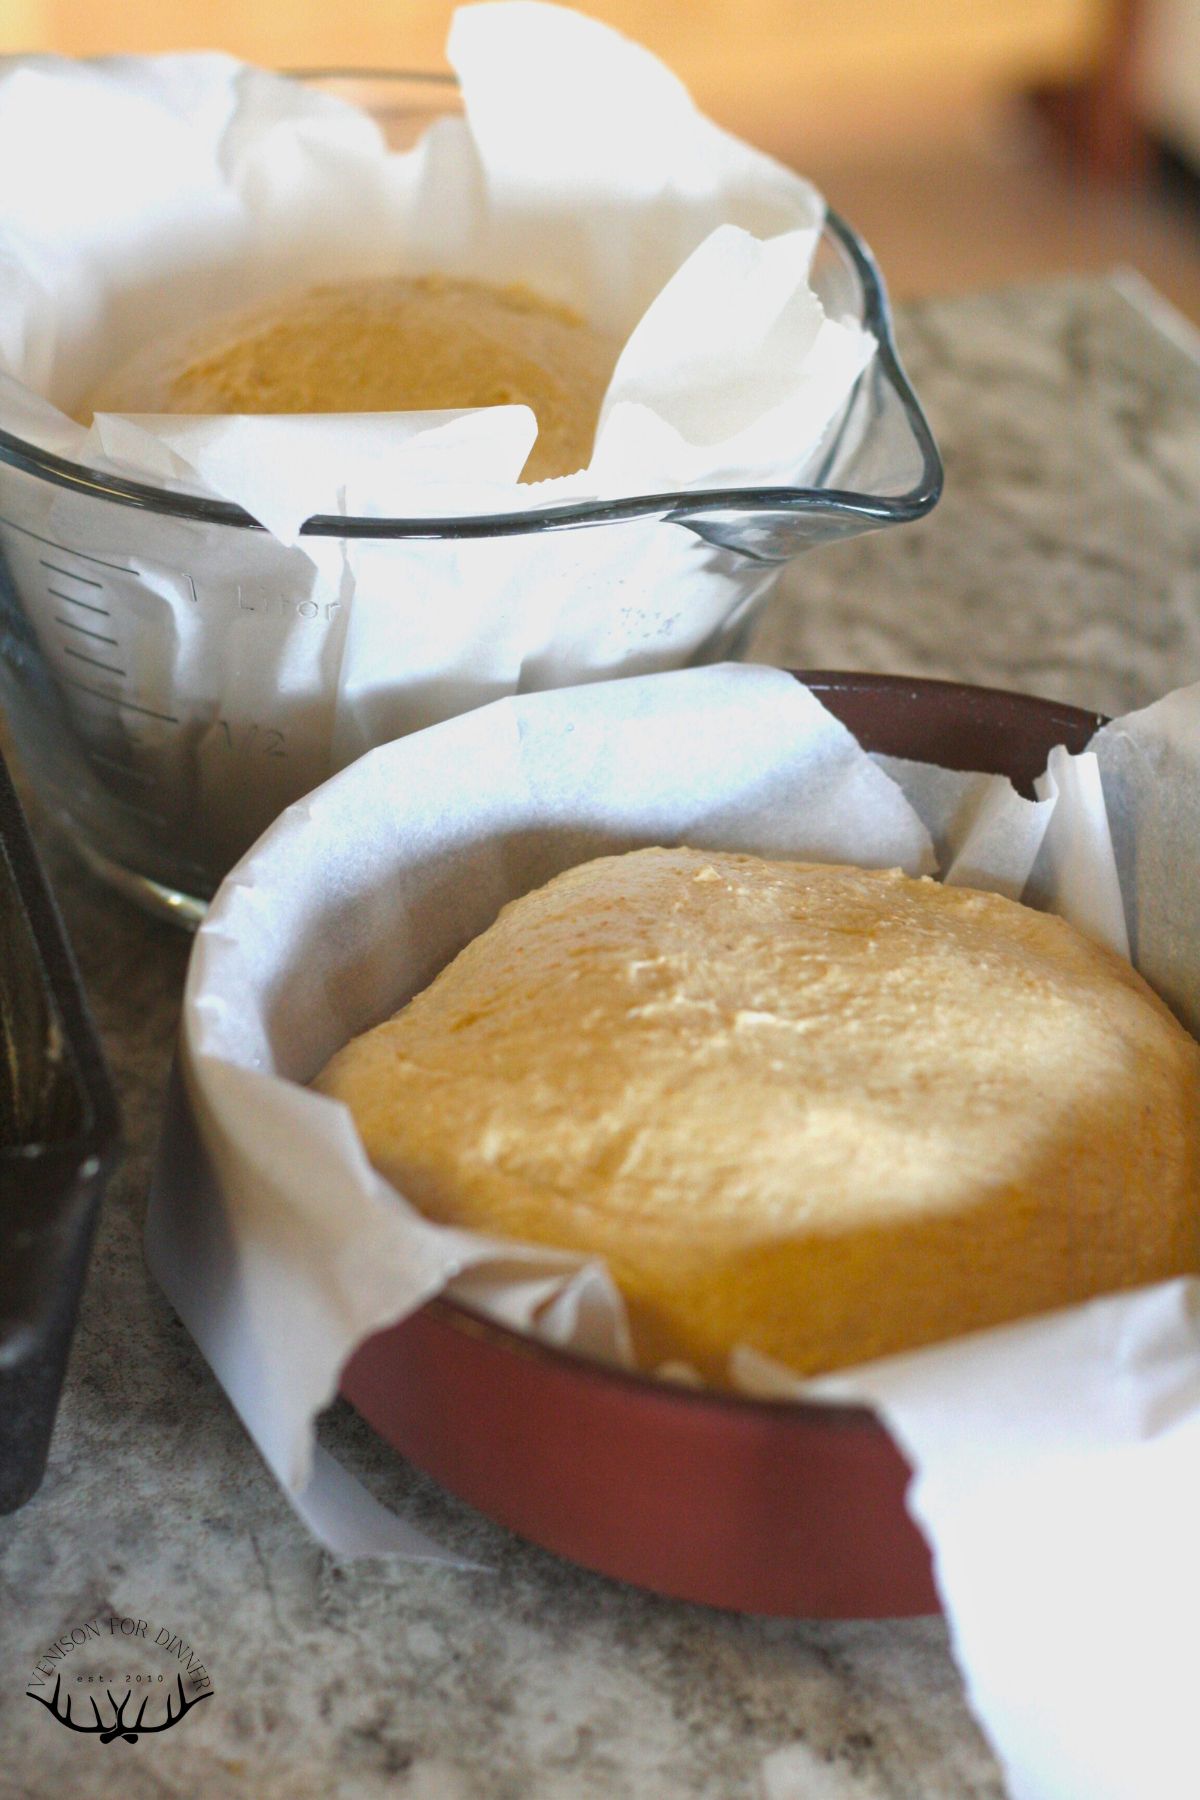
x=1065, y=560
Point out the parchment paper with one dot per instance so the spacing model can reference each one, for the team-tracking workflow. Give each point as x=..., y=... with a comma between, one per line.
x=157, y=192
x=234, y=670
x=1058, y=1460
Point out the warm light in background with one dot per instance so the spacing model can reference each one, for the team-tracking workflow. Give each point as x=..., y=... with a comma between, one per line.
x=914, y=116
x=792, y=74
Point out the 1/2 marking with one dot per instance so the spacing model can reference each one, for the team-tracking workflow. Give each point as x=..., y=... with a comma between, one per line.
x=252, y=739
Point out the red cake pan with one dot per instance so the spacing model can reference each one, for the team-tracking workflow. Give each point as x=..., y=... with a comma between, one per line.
x=761, y=1506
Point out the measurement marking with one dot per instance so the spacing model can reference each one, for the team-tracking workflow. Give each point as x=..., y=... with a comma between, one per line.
x=72, y=601
x=70, y=574
x=53, y=544
x=118, y=700
x=125, y=769
x=83, y=630
x=109, y=668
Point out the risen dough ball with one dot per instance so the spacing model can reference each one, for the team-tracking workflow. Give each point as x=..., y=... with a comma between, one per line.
x=391, y=345
x=826, y=1112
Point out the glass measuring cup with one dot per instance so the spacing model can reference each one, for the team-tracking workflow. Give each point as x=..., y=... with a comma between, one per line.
x=174, y=676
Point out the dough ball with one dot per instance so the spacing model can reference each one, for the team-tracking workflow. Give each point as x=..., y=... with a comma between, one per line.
x=826, y=1112
x=399, y=344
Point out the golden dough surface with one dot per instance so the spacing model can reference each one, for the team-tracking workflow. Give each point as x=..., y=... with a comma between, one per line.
x=826, y=1112
x=392, y=344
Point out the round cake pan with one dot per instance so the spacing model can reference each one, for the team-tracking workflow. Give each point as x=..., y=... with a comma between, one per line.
x=762, y=1506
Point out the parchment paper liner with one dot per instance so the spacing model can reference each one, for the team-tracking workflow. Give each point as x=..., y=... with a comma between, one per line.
x=197, y=184
x=360, y=893
x=239, y=669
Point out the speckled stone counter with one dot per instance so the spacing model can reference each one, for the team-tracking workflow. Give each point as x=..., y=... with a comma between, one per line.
x=1064, y=559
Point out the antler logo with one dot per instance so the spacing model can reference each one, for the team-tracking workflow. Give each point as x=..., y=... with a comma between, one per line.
x=112, y=1651
x=116, y=1726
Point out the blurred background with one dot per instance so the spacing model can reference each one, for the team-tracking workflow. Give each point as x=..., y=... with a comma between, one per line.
x=973, y=142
